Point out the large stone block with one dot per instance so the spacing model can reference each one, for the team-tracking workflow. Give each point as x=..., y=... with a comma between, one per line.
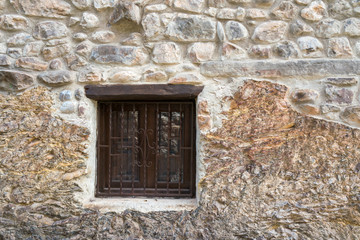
x=282, y=69
x=50, y=30
x=14, y=80
x=57, y=78
x=189, y=28
x=270, y=32
x=127, y=55
x=42, y=8
x=31, y=64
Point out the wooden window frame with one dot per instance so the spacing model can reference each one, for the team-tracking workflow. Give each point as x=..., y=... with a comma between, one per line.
x=179, y=100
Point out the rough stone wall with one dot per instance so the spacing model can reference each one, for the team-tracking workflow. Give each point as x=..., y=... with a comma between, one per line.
x=278, y=152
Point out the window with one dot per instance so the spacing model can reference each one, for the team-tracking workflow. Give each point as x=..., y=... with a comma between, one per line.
x=145, y=147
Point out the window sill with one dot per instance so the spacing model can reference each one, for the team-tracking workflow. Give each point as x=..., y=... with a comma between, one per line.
x=140, y=204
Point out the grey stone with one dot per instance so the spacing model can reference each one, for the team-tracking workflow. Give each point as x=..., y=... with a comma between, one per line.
x=80, y=36
x=13, y=22
x=240, y=14
x=351, y=115
x=340, y=9
x=315, y=11
x=310, y=46
x=134, y=39
x=125, y=10
x=89, y=20
x=81, y=4
x=56, y=78
x=270, y=32
x=104, y=36
x=327, y=108
x=230, y=51
x=352, y=27
x=217, y=3
x=33, y=49
x=328, y=28
x=190, y=5
x=340, y=81
x=127, y=55
x=256, y=14
x=285, y=10
x=338, y=95
x=235, y=31
x=50, y=30
x=220, y=32
x=67, y=107
x=14, y=52
x=15, y=80
x=42, y=8
x=4, y=60
x=340, y=48
x=166, y=53
x=355, y=3
x=19, y=39
x=31, y=63
x=55, y=51
x=284, y=69
x=201, y=52
x=84, y=48
x=65, y=95
x=74, y=61
x=191, y=28
x=55, y=64
x=155, y=8
x=226, y=13
x=152, y=26
x=78, y=94
x=103, y=4
x=286, y=49
x=56, y=42
x=260, y=51
x=299, y=28
x=304, y=96
x=73, y=21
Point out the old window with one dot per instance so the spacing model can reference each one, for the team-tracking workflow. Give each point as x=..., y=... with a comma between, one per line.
x=145, y=147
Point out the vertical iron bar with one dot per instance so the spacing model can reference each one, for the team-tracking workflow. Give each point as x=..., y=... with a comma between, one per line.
x=157, y=149
x=180, y=148
x=133, y=152
x=122, y=145
x=192, y=119
x=101, y=127
x=145, y=148
x=110, y=132
x=168, y=148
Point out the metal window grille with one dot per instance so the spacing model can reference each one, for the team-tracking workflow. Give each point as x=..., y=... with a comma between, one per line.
x=146, y=149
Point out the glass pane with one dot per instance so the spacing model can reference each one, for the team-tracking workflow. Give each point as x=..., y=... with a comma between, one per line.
x=162, y=165
x=175, y=173
x=163, y=129
x=175, y=124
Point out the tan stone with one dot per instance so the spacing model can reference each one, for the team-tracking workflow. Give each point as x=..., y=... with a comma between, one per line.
x=185, y=78
x=103, y=36
x=255, y=13
x=90, y=75
x=166, y=53
x=155, y=76
x=340, y=48
x=315, y=11
x=42, y=8
x=31, y=64
x=304, y=95
x=232, y=51
x=190, y=5
x=200, y=52
x=13, y=22
x=55, y=51
x=270, y=32
x=123, y=76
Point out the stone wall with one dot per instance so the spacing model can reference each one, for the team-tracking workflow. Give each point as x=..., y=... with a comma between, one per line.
x=278, y=150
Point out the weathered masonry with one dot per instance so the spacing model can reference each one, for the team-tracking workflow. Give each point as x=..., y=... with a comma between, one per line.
x=179, y=119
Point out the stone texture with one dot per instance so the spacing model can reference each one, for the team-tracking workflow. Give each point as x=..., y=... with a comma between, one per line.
x=74, y=61
x=351, y=115
x=79, y=36
x=103, y=4
x=328, y=28
x=91, y=75
x=299, y=28
x=270, y=32
x=42, y=8
x=73, y=21
x=15, y=81
x=256, y=14
x=19, y=39
x=284, y=69
x=191, y=28
x=286, y=49
x=352, y=27
x=155, y=76
x=127, y=55
x=260, y=51
x=226, y=13
x=125, y=10
x=166, y=53
x=309, y=109
x=327, y=108
x=31, y=63
x=89, y=20
x=201, y=52
x=82, y=4
x=65, y=95
x=235, y=31
x=84, y=48
x=220, y=32
x=57, y=78
x=340, y=48
x=155, y=8
x=33, y=49
x=103, y=36
x=50, y=30
x=185, y=78
x=230, y=51
x=310, y=47
x=315, y=11
x=124, y=77
x=55, y=51
x=264, y=2
x=13, y=22
x=4, y=60
x=304, y=96
x=152, y=26
x=134, y=39
x=67, y=107
x=349, y=81
x=340, y=9
x=285, y=10
x=14, y=52
x=338, y=95
x=56, y=64
x=190, y=5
